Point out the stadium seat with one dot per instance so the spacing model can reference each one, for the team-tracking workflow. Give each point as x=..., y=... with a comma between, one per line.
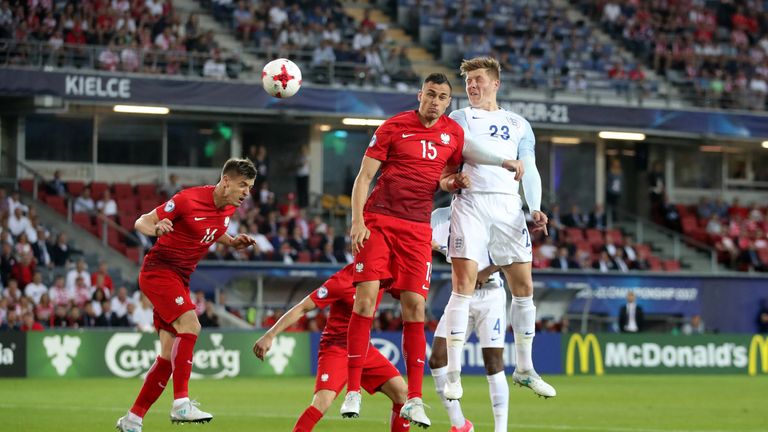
x=75, y=187
x=57, y=203
x=574, y=235
x=83, y=220
x=133, y=254
x=304, y=257
x=671, y=265
x=97, y=189
x=122, y=190
x=26, y=185
x=146, y=189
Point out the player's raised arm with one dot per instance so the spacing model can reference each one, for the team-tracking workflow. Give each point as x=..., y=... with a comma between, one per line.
x=262, y=346
x=526, y=153
x=358, y=232
x=150, y=224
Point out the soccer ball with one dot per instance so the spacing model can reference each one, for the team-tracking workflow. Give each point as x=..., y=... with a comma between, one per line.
x=281, y=78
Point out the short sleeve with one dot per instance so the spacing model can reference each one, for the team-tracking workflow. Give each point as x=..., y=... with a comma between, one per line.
x=460, y=117
x=325, y=296
x=173, y=208
x=457, y=158
x=381, y=140
x=527, y=146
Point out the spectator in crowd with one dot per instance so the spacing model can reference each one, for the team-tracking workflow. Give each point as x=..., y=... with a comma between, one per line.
x=576, y=219
x=40, y=248
x=258, y=155
x=60, y=295
x=694, y=326
x=657, y=191
x=29, y=323
x=107, y=205
x=199, y=301
x=631, y=318
x=597, y=218
x=215, y=67
x=35, y=289
x=762, y=318
x=90, y=317
x=172, y=187
x=18, y=222
x=750, y=258
x=12, y=322
x=604, y=263
x=12, y=293
x=563, y=260
x=44, y=309
x=614, y=185
x=60, y=251
x=97, y=299
x=7, y=262
x=60, y=318
x=22, y=246
x=302, y=176
x=56, y=185
x=620, y=261
x=119, y=303
x=143, y=315
x=82, y=292
x=102, y=271
x=14, y=201
x=209, y=318
x=108, y=318
x=84, y=203
x=80, y=271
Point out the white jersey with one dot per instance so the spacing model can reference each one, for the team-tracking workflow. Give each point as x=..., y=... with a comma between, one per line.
x=507, y=134
x=441, y=223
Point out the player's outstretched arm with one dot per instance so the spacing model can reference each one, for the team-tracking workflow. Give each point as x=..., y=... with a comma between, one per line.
x=358, y=232
x=150, y=224
x=262, y=346
x=532, y=180
x=239, y=242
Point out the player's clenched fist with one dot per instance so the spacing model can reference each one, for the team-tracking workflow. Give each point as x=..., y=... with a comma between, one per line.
x=358, y=234
x=461, y=181
x=516, y=166
x=540, y=221
x=262, y=346
x=163, y=226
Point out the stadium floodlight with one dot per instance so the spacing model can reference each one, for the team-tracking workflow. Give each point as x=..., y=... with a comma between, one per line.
x=141, y=109
x=352, y=121
x=765, y=144
x=324, y=128
x=626, y=136
x=564, y=140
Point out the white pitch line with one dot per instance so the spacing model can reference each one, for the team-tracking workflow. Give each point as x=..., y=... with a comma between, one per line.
x=522, y=426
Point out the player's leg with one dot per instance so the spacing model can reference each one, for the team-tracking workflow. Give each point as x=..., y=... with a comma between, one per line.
x=397, y=391
x=524, y=327
x=321, y=401
x=493, y=358
x=184, y=410
x=438, y=361
x=358, y=339
x=154, y=384
x=414, y=352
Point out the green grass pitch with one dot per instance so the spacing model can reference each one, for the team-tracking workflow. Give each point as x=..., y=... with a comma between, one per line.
x=586, y=403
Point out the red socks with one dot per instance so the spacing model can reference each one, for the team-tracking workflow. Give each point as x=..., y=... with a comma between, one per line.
x=154, y=384
x=308, y=420
x=358, y=339
x=414, y=351
x=397, y=423
x=181, y=356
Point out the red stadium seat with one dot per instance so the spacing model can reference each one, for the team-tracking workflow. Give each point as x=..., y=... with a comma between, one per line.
x=57, y=203
x=574, y=235
x=75, y=188
x=304, y=257
x=671, y=265
x=26, y=185
x=594, y=236
x=97, y=190
x=146, y=189
x=133, y=254
x=122, y=190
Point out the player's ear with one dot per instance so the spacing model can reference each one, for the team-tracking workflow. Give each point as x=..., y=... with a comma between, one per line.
x=418, y=95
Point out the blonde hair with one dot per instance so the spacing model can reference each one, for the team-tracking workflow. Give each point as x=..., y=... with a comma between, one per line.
x=490, y=64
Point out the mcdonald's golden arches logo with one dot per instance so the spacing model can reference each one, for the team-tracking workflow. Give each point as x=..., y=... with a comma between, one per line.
x=585, y=344
x=758, y=347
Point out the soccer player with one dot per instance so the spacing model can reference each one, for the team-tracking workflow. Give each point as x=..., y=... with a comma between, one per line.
x=187, y=225
x=379, y=374
x=487, y=218
x=417, y=151
x=487, y=317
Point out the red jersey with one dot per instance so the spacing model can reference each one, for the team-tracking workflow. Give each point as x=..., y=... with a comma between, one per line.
x=338, y=292
x=197, y=224
x=413, y=157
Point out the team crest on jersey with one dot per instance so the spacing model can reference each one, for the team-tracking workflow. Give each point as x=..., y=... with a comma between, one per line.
x=226, y=221
x=373, y=141
x=169, y=206
x=322, y=292
x=445, y=138
x=514, y=122
x=359, y=267
x=179, y=300
x=458, y=243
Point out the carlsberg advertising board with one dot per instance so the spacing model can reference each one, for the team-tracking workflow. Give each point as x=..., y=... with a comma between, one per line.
x=131, y=354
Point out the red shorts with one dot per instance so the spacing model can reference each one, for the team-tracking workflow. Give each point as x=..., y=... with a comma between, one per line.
x=397, y=249
x=169, y=296
x=332, y=370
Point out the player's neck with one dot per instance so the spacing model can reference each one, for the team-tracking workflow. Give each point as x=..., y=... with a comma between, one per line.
x=427, y=123
x=219, y=198
x=490, y=105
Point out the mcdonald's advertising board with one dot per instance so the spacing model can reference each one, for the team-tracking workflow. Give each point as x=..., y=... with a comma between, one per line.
x=601, y=354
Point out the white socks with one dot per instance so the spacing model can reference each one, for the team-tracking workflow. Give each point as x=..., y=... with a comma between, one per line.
x=452, y=407
x=134, y=418
x=177, y=402
x=499, y=389
x=524, y=326
x=456, y=320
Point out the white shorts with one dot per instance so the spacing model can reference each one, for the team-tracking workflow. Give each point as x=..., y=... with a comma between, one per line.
x=492, y=224
x=487, y=318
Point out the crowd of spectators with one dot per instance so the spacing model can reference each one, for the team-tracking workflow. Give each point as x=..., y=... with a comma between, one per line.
x=720, y=47
x=146, y=36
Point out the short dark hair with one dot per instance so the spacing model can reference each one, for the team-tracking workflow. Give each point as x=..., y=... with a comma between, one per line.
x=438, y=78
x=242, y=167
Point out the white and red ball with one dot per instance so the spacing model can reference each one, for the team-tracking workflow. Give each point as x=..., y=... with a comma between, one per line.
x=281, y=78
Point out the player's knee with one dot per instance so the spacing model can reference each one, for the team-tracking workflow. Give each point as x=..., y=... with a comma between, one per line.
x=322, y=403
x=494, y=366
x=364, y=306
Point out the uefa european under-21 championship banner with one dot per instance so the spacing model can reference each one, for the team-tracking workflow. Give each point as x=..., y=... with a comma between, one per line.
x=546, y=352
x=240, y=96
x=96, y=353
x=664, y=354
